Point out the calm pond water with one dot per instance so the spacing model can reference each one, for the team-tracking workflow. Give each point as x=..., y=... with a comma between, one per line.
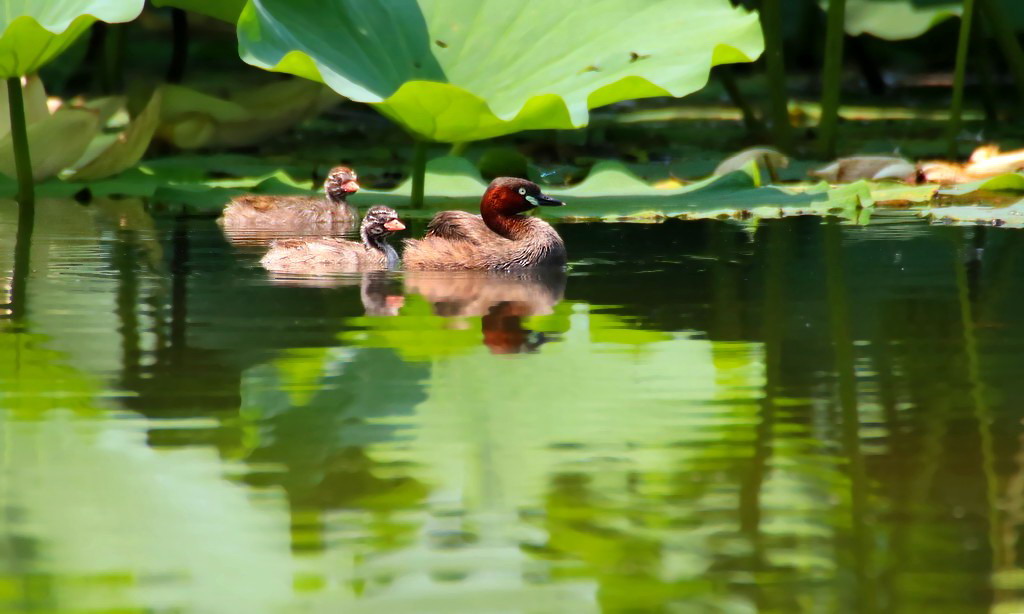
x=698, y=417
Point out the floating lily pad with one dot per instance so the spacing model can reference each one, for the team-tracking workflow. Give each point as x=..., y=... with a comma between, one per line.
x=611, y=192
x=1011, y=216
x=897, y=191
x=461, y=70
x=1007, y=182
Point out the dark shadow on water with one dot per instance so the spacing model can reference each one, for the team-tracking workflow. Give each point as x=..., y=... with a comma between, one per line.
x=862, y=595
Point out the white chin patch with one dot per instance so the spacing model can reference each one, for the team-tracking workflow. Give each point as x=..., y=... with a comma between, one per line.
x=532, y=200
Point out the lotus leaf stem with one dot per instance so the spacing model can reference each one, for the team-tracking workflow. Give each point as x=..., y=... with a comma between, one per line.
x=982, y=56
x=179, y=52
x=831, y=78
x=419, y=172
x=957, y=106
x=778, y=104
x=1003, y=30
x=19, y=138
x=750, y=120
x=113, y=58
x=22, y=260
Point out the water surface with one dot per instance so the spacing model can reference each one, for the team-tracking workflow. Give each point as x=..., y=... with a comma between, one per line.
x=800, y=416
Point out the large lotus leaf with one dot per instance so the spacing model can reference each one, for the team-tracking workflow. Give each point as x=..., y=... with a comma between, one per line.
x=36, y=31
x=903, y=19
x=460, y=70
x=225, y=10
x=896, y=19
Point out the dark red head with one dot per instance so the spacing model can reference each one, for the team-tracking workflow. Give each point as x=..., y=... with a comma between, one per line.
x=511, y=195
x=340, y=182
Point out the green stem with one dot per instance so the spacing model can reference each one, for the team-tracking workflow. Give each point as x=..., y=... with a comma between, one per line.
x=419, y=172
x=113, y=56
x=1002, y=28
x=19, y=137
x=831, y=78
x=22, y=260
x=957, y=106
x=458, y=148
x=750, y=121
x=179, y=52
x=982, y=56
x=778, y=108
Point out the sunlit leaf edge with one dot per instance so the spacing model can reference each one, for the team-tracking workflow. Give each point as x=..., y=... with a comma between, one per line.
x=476, y=117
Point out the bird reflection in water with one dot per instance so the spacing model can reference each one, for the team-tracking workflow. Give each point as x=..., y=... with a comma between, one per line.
x=502, y=299
x=379, y=291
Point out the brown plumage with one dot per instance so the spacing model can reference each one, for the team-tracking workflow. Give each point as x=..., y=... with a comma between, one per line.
x=500, y=238
x=330, y=255
x=251, y=216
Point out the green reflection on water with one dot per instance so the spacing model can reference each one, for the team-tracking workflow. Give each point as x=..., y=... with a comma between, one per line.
x=813, y=417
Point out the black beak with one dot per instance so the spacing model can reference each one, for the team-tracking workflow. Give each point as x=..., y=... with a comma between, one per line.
x=546, y=201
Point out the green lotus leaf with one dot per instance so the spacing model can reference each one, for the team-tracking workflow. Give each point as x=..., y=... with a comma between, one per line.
x=1007, y=182
x=461, y=70
x=34, y=95
x=56, y=142
x=224, y=10
x=613, y=193
x=610, y=193
x=903, y=19
x=127, y=147
x=36, y=31
x=193, y=119
x=1010, y=217
x=896, y=19
x=897, y=191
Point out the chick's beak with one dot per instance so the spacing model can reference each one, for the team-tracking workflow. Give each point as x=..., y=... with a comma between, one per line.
x=547, y=201
x=394, y=225
x=350, y=186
